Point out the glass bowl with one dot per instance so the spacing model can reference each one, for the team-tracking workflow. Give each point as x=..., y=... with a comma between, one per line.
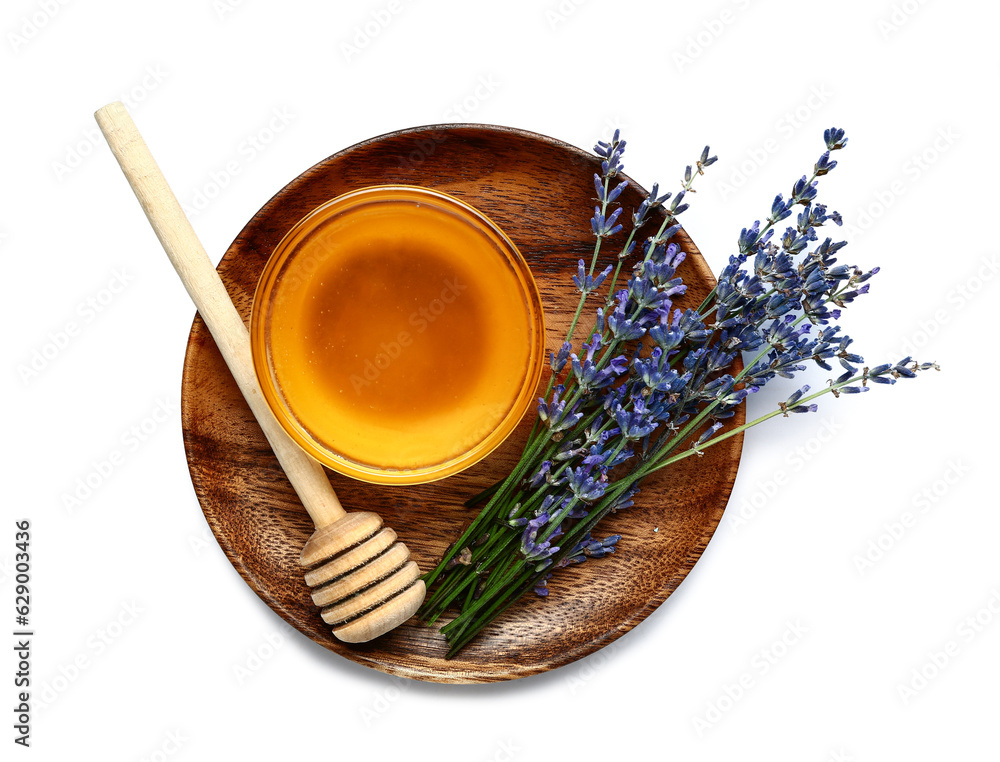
x=397, y=334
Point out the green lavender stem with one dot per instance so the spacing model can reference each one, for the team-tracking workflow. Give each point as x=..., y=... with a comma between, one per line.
x=468, y=624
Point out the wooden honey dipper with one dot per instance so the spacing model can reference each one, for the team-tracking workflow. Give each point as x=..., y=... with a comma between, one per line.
x=361, y=578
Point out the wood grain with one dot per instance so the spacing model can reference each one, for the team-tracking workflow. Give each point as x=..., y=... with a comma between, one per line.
x=540, y=192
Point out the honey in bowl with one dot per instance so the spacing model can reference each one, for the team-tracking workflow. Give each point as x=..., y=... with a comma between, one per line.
x=397, y=334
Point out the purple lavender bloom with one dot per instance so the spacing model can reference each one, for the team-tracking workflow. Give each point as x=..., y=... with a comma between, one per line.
x=708, y=433
x=824, y=165
x=649, y=204
x=532, y=550
x=601, y=548
x=584, y=486
x=780, y=209
x=835, y=138
x=636, y=423
x=622, y=327
x=881, y=374
x=605, y=226
x=626, y=499
x=558, y=361
x=791, y=404
x=542, y=586
x=804, y=191
x=541, y=475
x=554, y=413
x=586, y=283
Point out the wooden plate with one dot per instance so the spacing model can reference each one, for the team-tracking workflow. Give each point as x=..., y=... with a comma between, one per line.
x=540, y=192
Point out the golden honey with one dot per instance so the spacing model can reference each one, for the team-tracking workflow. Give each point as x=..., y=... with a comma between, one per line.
x=397, y=334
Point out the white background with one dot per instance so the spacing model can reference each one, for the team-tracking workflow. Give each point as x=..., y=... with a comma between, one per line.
x=178, y=653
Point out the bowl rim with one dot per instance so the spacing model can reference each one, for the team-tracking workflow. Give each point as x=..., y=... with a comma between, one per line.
x=339, y=462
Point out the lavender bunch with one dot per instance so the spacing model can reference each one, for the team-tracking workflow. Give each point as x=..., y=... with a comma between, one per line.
x=650, y=385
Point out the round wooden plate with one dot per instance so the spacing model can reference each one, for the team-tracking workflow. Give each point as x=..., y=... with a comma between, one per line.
x=540, y=192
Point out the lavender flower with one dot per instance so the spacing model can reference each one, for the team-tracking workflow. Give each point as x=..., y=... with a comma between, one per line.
x=585, y=283
x=653, y=383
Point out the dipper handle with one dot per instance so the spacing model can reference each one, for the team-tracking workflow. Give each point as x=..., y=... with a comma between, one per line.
x=209, y=294
x=362, y=579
